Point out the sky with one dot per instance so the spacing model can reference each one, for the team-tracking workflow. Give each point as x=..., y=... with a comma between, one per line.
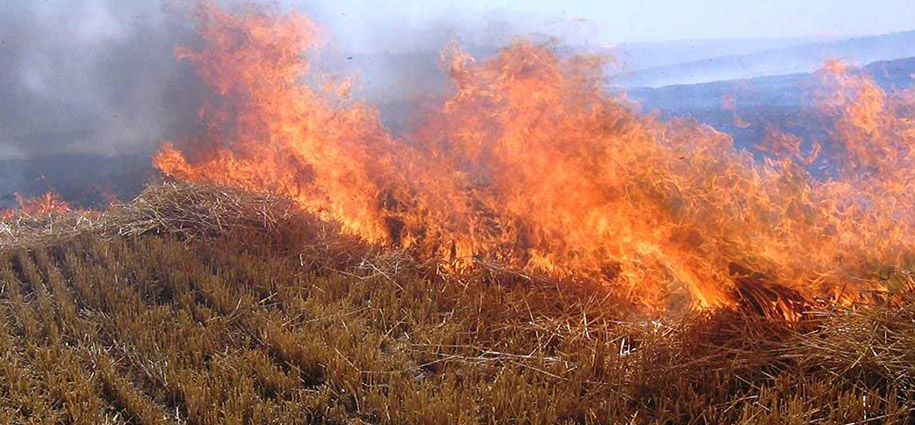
x=617, y=21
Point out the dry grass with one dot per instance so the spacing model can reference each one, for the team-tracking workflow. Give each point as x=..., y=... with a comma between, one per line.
x=179, y=209
x=201, y=305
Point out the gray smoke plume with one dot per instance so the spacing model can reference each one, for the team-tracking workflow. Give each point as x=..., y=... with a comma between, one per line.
x=92, y=76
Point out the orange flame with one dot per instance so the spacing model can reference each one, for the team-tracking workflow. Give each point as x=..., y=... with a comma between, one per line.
x=38, y=206
x=530, y=162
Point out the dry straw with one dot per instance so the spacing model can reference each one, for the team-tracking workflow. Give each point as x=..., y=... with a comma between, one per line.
x=206, y=305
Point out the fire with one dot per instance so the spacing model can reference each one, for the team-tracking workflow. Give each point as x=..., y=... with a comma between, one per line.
x=285, y=135
x=38, y=206
x=530, y=162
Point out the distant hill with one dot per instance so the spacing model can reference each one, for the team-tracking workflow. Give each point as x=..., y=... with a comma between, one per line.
x=780, y=61
x=784, y=100
x=638, y=56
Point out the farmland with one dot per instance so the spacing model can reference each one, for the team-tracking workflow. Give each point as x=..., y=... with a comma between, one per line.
x=161, y=316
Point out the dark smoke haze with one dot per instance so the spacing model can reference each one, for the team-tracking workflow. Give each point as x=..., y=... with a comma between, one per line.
x=93, y=76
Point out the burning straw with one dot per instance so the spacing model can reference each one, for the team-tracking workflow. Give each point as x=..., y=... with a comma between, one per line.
x=554, y=335
x=185, y=210
x=531, y=163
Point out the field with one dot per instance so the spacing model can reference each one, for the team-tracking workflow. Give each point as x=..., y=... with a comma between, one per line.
x=201, y=305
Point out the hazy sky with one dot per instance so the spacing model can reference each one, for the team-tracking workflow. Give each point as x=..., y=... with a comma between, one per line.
x=616, y=21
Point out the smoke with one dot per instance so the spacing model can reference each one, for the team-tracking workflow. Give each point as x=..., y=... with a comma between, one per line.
x=93, y=76
x=100, y=76
x=393, y=53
